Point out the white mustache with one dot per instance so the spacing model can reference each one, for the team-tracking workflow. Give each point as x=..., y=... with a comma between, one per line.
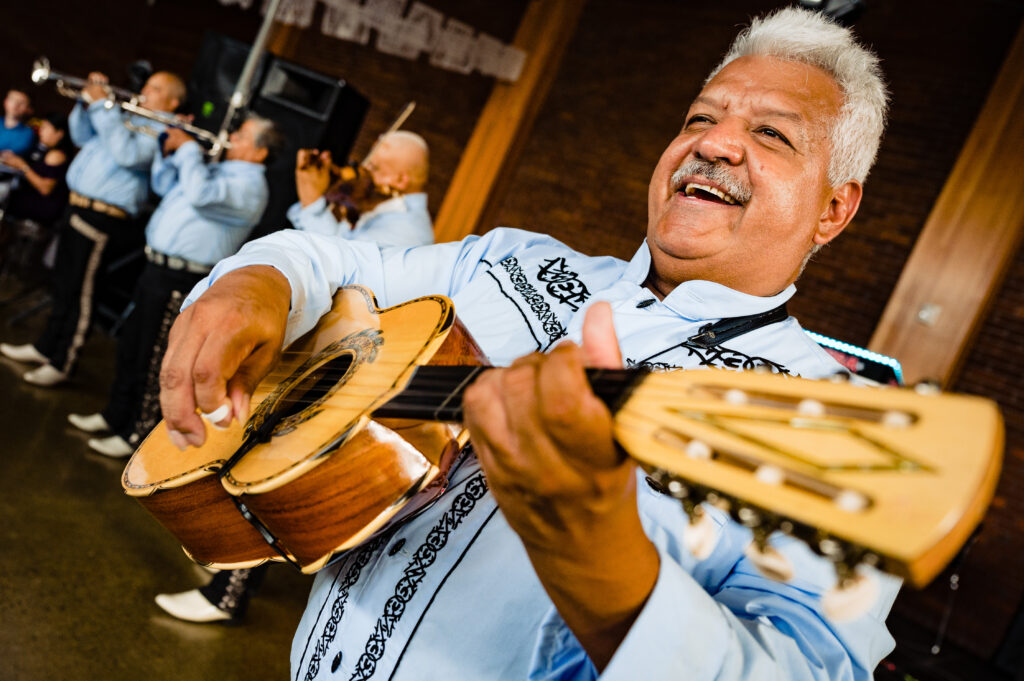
x=717, y=174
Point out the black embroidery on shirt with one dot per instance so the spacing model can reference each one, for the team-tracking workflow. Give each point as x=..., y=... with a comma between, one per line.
x=440, y=586
x=414, y=573
x=563, y=283
x=330, y=629
x=718, y=356
x=531, y=296
x=529, y=327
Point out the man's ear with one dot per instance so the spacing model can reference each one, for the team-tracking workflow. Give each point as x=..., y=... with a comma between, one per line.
x=401, y=182
x=840, y=210
x=260, y=154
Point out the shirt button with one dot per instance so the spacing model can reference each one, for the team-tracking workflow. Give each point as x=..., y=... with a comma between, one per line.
x=397, y=546
x=336, y=662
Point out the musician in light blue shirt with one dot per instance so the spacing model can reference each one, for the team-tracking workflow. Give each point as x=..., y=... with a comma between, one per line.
x=550, y=557
x=391, y=212
x=207, y=211
x=109, y=184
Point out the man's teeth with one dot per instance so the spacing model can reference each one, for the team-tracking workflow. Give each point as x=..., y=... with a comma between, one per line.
x=692, y=188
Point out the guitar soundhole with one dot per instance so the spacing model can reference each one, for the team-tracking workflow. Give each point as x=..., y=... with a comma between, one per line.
x=314, y=387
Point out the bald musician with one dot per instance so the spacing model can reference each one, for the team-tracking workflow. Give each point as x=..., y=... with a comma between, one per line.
x=395, y=212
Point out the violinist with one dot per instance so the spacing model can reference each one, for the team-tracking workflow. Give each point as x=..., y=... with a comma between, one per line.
x=381, y=200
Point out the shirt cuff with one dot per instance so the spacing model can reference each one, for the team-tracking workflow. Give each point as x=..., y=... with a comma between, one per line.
x=659, y=645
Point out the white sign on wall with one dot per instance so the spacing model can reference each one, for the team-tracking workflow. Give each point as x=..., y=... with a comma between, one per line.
x=450, y=43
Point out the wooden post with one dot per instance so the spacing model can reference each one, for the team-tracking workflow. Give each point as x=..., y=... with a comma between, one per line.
x=967, y=244
x=505, y=121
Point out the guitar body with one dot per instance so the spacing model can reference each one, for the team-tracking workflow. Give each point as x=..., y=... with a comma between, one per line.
x=323, y=477
x=883, y=476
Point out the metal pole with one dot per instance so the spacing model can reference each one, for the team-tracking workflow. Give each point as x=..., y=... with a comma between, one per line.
x=243, y=89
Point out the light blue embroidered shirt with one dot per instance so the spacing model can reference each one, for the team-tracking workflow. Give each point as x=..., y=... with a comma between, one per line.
x=452, y=595
x=113, y=163
x=207, y=210
x=399, y=221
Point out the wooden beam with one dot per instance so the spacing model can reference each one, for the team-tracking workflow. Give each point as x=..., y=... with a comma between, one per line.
x=505, y=121
x=967, y=244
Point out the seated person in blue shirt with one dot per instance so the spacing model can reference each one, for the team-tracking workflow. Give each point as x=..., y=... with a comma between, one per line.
x=109, y=184
x=207, y=211
x=549, y=556
x=393, y=212
x=15, y=135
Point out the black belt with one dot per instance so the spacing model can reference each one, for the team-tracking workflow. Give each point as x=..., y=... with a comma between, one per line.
x=173, y=262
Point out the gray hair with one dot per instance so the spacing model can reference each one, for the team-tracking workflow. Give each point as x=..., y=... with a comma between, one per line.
x=808, y=37
x=268, y=136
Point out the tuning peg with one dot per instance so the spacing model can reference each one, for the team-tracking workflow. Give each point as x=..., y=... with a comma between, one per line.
x=769, y=561
x=809, y=407
x=852, y=596
x=701, y=536
x=735, y=396
x=896, y=419
x=698, y=449
x=927, y=387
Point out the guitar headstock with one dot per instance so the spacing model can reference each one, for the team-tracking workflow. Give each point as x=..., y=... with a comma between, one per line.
x=884, y=476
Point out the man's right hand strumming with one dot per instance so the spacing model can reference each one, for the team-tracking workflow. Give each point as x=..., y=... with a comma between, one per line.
x=219, y=349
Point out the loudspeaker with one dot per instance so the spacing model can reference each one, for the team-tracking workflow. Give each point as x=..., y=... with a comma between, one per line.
x=311, y=109
x=216, y=70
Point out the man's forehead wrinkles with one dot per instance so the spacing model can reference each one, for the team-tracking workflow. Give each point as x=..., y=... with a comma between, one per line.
x=767, y=110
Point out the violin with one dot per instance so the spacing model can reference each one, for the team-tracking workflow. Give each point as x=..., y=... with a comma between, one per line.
x=351, y=189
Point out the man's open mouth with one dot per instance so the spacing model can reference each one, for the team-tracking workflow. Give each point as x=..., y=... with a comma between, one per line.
x=708, y=193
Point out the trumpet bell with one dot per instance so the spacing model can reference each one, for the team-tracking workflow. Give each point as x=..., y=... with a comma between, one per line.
x=40, y=70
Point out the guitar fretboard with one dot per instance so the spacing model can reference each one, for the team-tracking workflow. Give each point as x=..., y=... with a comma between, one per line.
x=435, y=392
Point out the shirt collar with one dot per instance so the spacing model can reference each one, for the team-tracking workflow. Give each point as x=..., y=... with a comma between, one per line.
x=397, y=204
x=699, y=299
x=237, y=166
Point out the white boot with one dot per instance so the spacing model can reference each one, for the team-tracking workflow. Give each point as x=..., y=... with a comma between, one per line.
x=114, y=446
x=23, y=353
x=91, y=423
x=191, y=606
x=46, y=376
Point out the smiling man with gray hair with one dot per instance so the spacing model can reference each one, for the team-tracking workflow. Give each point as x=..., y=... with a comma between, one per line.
x=550, y=556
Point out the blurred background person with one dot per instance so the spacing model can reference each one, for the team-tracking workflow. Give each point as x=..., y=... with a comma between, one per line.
x=385, y=204
x=39, y=200
x=109, y=186
x=15, y=134
x=207, y=211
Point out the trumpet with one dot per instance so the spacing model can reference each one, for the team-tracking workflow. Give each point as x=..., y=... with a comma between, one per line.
x=215, y=143
x=130, y=102
x=72, y=87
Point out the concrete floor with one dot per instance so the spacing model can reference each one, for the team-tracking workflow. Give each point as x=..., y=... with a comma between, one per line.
x=80, y=562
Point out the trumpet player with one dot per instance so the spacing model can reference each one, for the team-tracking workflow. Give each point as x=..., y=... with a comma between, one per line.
x=387, y=204
x=109, y=185
x=207, y=211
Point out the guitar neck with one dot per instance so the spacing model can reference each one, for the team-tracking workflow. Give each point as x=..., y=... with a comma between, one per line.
x=435, y=392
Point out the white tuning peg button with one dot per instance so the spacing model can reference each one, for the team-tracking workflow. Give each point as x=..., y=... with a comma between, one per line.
x=770, y=562
x=701, y=536
x=852, y=599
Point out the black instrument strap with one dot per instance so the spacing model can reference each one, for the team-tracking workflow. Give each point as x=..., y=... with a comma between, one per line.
x=726, y=329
